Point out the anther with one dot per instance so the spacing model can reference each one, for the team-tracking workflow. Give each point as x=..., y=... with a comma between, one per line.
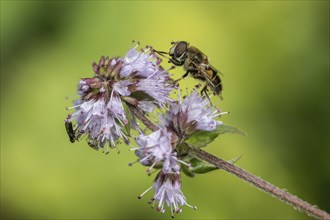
x=132, y=163
x=178, y=210
x=137, y=44
x=191, y=206
x=150, y=173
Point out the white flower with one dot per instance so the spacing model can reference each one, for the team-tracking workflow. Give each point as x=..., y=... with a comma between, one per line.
x=121, y=87
x=152, y=79
x=192, y=113
x=155, y=148
x=136, y=79
x=157, y=86
x=101, y=121
x=141, y=63
x=199, y=110
x=167, y=188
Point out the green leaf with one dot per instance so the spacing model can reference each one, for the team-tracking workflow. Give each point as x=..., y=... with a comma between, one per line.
x=222, y=129
x=199, y=166
x=205, y=168
x=187, y=171
x=200, y=138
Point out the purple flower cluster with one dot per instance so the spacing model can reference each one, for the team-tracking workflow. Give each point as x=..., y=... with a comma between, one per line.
x=137, y=79
x=159, y=148
x=103, y=115
x=192, y=113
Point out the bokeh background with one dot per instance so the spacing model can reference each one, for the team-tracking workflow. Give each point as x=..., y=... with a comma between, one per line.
x=274, y=56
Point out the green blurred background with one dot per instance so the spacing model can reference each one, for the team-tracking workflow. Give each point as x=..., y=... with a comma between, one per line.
x=275, y=59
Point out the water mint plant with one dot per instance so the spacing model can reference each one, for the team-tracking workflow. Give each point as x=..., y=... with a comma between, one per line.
x=123, y=93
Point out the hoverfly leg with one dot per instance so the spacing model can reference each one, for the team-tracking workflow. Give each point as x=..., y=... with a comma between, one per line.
x=184, y=76
x=175, y=62
x=205, y=90
x=160, y=52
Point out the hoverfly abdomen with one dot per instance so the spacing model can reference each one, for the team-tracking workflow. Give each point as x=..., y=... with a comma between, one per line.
x=217, y=84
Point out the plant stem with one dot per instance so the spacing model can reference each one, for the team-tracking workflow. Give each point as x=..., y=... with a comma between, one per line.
x=259, y=183
x=140, y=115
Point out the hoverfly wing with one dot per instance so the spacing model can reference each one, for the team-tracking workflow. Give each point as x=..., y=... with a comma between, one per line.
x=212, y=78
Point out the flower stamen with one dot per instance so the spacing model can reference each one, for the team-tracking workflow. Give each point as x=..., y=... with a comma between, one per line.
x=140, y=196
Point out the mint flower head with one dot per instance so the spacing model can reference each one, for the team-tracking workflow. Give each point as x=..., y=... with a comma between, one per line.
x=158, y=147
x=167, y=188
x=150, y=77
x=165, y=148
x=192, y=113
x=101, y=112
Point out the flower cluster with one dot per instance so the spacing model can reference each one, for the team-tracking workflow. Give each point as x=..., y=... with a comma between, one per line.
x=156, y=148
x=159, y=148
x=101, y=111
x=192, y=113
x=135, y=85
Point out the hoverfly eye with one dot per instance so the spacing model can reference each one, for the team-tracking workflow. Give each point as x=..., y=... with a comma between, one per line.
x=180, y=49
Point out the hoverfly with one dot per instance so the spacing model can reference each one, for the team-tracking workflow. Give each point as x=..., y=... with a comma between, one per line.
x=196, y=63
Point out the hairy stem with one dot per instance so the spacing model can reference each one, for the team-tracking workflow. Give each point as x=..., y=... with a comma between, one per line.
x=259, y=183
x=140, y=115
